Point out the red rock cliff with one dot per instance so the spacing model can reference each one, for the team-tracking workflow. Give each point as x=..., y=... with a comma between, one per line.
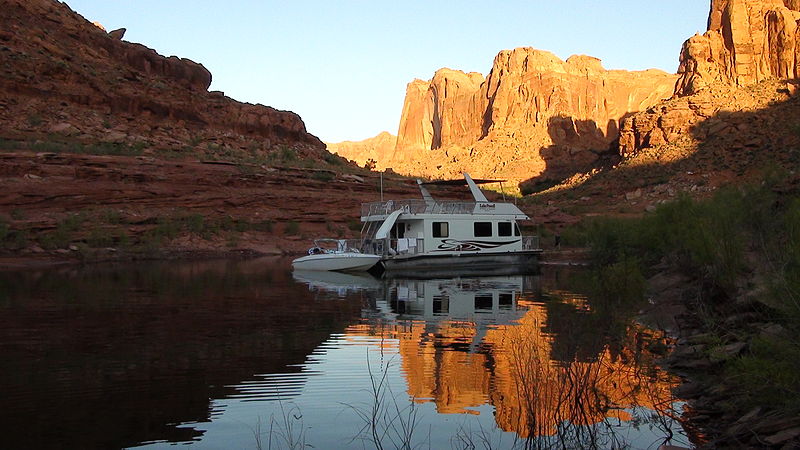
x=64, y=75
x=747, y=41
x=534, y=112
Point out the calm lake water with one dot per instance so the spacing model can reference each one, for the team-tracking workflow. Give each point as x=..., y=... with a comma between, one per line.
x=247, y=354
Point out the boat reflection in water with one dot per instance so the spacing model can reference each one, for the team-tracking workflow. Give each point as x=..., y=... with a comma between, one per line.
x=556, y=370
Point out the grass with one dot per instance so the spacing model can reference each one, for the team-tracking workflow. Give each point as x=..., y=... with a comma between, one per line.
x=101, y=148
x=743, y=243
x=107, y=228
x=323, y=176
x=292, y=227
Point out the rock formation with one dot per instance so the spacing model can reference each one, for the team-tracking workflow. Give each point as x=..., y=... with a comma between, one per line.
x=376, y=148
x=747, y=41
x=63, y=69
x=533, y=114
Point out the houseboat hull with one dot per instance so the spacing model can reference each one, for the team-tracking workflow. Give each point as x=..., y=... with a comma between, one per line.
x=462, y=264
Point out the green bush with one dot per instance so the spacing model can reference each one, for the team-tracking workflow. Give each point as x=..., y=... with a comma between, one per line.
x=292, y=227
x=5, y=231
x=264, y=225
x=195, y=223
x=323, y=176
x=100, y=237
x=707, y=236
x=769, y=373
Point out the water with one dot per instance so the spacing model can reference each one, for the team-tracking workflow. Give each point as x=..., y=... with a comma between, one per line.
x=246, y=354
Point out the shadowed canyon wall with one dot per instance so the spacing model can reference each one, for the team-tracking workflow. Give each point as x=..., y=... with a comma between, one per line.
x=67, y=78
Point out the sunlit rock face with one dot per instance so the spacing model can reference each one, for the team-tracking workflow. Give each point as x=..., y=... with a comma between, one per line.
x=534, y=112
x=376, y=148
x=747, y=41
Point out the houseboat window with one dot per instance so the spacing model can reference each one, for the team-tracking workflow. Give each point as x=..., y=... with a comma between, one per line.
x=440, y=229
x=506, y=300
x=504, y=228
x=516, y=230
x=441, y=304
x=483, y=302
x=398, y=231
x=483, y=229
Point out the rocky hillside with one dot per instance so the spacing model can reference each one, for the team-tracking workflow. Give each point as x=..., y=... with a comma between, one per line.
x=733, y=117
x=110, y=150
x=67, y=80
x=747, y=42
x=533, y=115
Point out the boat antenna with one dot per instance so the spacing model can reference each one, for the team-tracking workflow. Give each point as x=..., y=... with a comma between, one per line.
x=381, y=186
x=503, y=191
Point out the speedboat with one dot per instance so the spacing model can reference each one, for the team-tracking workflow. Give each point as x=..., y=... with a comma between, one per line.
x=335, y=255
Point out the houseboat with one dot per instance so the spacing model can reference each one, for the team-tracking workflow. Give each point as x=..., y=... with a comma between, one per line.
x=426, y=237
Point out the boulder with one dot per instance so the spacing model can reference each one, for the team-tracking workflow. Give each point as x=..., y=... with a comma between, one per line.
x=117, y=34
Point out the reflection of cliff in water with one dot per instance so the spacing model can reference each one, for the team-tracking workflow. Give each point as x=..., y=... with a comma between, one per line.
x=545, y=359
x=113, y=356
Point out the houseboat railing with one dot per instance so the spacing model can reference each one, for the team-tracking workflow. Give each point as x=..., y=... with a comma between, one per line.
x=530, y=243
x=416, y=207
x=384, y=247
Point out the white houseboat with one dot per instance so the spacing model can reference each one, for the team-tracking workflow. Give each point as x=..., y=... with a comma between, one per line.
x=427, y=237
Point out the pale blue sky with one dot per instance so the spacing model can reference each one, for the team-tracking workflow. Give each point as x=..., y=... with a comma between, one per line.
x=344, y=65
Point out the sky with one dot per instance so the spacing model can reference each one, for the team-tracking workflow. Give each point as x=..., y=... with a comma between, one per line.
x=343, y=65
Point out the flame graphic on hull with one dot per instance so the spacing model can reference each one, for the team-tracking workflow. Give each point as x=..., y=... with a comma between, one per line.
x=455, y=245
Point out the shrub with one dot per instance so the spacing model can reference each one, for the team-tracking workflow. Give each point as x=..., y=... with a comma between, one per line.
x=292, y=227
x=264, y=225
x=100, y=237
x=332, y=159
x=5, y=231
x=195, y=223
x=323, y=176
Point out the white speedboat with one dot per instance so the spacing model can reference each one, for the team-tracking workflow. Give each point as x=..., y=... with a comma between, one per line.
x=322, y=257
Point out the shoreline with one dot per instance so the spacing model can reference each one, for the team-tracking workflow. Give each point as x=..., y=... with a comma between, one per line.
x=10, y=263
x=711, y=417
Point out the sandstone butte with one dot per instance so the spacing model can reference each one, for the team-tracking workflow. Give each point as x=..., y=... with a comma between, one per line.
x=533, y=115
x=747, y=42
x=536, y=117
x=67, y=77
